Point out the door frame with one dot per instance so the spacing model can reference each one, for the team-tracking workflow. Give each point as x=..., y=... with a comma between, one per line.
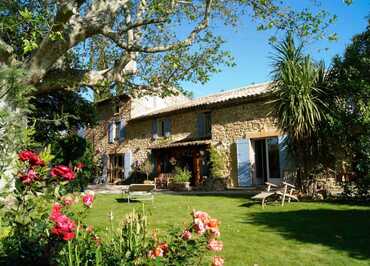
x=267, y=164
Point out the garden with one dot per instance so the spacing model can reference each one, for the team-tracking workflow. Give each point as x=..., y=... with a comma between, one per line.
x=60, y=59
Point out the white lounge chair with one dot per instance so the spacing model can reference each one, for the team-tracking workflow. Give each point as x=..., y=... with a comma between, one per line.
x=140, y=192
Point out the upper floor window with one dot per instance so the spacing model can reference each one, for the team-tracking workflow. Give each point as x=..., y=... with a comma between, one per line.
x=204, y=125
x=116, y=130
x=161, y=127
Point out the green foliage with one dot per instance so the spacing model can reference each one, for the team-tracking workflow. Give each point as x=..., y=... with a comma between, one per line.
x=14, y=106
x=217, y=162
x=347, y=134
x=129, y=243
x=299, y=103
x=71, y=150
x=28, y=24
x=57, y=112
x=181, y=175
x=297, y=84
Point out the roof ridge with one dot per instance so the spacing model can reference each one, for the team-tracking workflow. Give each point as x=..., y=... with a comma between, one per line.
x=234, y=90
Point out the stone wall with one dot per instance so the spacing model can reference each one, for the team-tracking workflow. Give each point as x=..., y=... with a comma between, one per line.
x=250, y=119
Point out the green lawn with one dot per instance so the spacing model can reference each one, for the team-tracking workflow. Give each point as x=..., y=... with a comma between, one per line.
x=297, y=234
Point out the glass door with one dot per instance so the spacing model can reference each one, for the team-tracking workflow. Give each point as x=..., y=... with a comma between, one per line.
x=266, y=155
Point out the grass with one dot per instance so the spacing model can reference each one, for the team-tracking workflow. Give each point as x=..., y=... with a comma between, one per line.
x=303, y=233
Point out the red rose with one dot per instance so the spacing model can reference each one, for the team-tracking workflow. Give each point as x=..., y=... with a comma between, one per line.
x=35, y=160
x=29, y=177
x=80, y=165
x=63, y=171
x=25, y=155
x=68, y=236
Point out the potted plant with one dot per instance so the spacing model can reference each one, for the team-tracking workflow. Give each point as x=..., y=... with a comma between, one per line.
x=181, y=180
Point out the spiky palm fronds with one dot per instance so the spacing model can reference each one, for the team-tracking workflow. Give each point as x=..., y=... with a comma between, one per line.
x=297, y=84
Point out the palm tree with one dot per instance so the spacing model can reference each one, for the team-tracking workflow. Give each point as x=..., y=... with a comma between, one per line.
x=298, y=104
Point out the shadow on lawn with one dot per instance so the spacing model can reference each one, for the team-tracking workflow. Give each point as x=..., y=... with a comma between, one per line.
x=346, y=230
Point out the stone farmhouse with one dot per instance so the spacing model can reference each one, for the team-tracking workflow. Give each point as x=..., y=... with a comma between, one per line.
x=179, y=131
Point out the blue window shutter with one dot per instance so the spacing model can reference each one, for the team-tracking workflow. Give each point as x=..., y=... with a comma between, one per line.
x=283, y=154
x=155, y=128
x=127, y=164
x=122, y=130
x=200, y=125
x=167, y=127
x=243, y=162
x=110, y=132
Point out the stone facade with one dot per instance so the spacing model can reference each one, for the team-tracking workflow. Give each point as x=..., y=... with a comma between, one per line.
x=230, y=122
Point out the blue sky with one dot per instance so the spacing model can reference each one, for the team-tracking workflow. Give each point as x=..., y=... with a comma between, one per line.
x=251, y=50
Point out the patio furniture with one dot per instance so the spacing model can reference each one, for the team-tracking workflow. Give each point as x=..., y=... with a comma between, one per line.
x=163, y=180
x=285, y=190
x=140, y=192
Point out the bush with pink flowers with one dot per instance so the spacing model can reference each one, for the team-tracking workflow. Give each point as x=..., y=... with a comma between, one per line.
x=46, y=226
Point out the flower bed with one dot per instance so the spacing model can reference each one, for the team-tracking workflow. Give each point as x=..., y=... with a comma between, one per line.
x=46, y=226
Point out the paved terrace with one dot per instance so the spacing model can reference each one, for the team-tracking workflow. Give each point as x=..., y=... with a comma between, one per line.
x=117, y=189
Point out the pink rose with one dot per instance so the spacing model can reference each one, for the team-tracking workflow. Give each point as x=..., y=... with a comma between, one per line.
x=64, y=226
x=203, y=216
x=88, y=198
x=199, y=227
x=55, y=211
x=217, y=261
x=186, y=235
x=29, y=177
x=63, y=171
x=215, y=245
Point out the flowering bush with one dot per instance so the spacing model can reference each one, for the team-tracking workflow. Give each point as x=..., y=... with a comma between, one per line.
x=46, y=226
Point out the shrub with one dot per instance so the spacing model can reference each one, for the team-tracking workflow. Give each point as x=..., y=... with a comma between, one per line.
x=217, y=163
x=75, y=151
x=181, y=175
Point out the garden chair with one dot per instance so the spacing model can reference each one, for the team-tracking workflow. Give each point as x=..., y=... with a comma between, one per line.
x=163, y=180
x=285, y=190
x=140, y=192
x=269, y=191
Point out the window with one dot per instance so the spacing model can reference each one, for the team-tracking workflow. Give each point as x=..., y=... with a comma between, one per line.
x=204, y=125
x=161, y=128
x=208, y=124
x=117, y=130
